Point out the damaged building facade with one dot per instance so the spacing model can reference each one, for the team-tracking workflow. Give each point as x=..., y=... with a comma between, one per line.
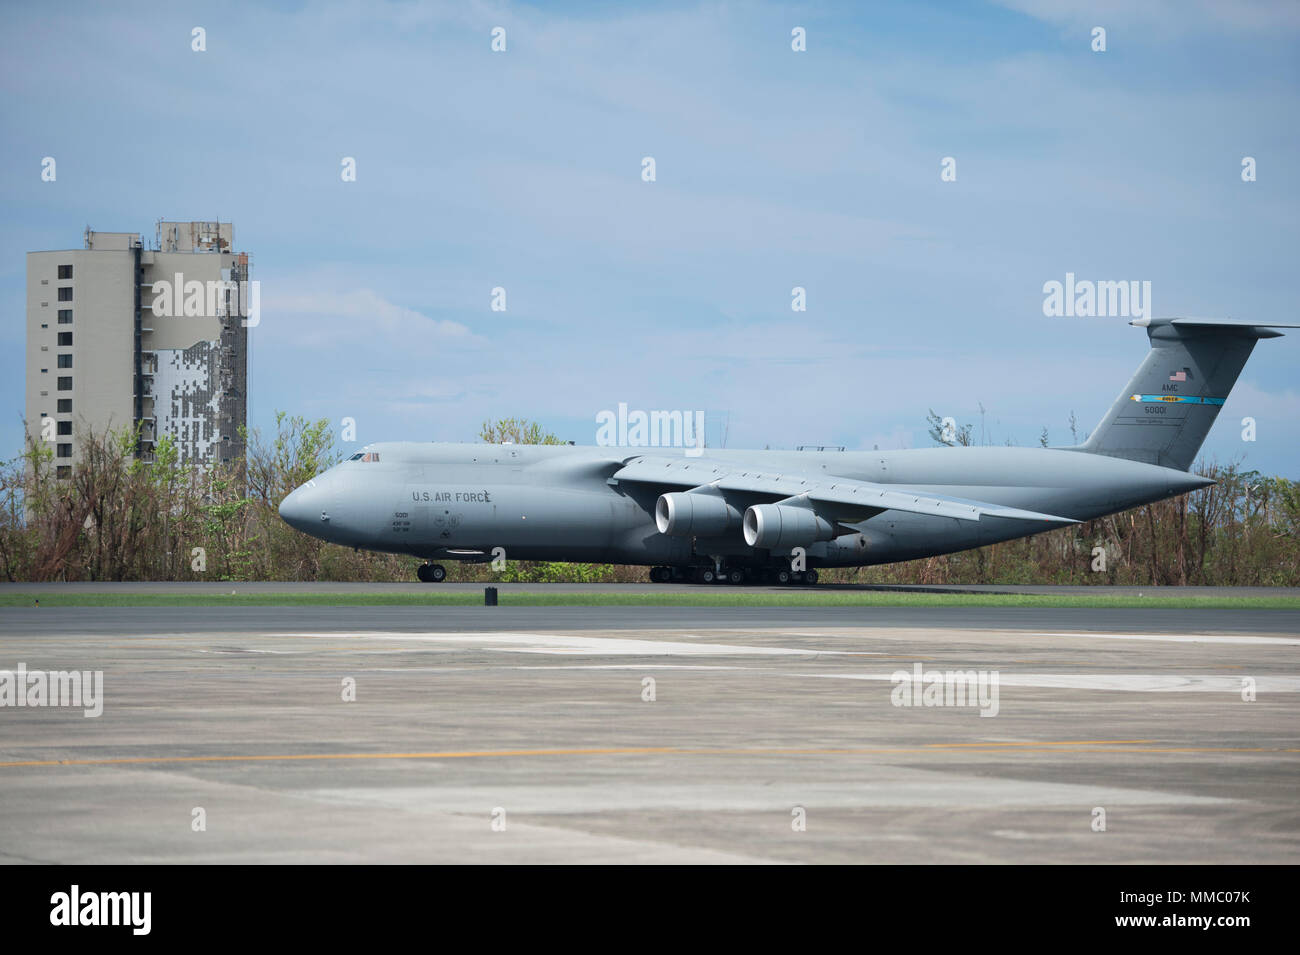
x=156, y=339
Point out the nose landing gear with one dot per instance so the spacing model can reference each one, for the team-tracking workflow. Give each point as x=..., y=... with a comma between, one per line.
x=431, y=573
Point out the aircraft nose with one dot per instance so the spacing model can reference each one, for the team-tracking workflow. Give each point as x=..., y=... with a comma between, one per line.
x=305, y=508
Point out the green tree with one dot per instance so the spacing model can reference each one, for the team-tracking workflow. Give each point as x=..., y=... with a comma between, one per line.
x=515, y=431
x=945, y=436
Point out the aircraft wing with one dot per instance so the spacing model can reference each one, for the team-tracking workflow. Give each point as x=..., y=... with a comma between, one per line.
x=839, y=498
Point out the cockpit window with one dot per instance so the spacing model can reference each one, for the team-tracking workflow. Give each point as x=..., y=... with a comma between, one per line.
x=365, y=456
x=355, y=457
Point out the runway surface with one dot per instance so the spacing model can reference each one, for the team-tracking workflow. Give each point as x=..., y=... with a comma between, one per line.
x=528, y=735
x=412, y=587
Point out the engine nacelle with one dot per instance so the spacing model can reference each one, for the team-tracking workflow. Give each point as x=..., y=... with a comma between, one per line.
x=680, y=514
x=776, y=526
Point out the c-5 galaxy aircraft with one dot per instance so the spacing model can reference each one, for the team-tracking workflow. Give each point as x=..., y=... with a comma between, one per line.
x=775, y=516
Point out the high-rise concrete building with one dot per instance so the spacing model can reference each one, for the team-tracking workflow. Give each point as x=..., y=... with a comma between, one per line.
x=120, y=336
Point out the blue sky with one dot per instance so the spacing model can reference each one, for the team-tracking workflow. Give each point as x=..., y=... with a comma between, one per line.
x=774, y=169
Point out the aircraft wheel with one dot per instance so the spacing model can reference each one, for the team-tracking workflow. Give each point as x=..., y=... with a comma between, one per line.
x=436, y=573
x=736, y=576
x=810, y=577
x=422, y=573
x=707, y=576
x=783, y=576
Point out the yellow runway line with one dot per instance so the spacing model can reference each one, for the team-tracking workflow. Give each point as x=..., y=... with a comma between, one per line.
x=1094, y=746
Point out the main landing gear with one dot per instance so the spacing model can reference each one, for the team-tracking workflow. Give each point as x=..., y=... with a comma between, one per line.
x=783, y=576
x=732, y=575
x=431, y=573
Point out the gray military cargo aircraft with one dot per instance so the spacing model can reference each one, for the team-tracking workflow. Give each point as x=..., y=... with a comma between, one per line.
x=775, y=516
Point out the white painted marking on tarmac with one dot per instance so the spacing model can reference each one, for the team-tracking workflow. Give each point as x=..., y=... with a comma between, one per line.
x=887, y=787
x=225, y=650
x=1131, y=682
x=629, y=666
x=568, y=644
x=1175, y=637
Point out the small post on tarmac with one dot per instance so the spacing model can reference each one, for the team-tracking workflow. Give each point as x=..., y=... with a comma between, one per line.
x=489, y=596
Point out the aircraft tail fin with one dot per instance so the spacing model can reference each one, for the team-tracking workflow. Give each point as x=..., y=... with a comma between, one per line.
x=1166, y=410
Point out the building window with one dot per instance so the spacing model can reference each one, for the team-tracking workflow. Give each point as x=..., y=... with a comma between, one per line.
x=65, y=406
x=63, y=472
x=65, y=450
x=65, y=384
x=65, y=293
x=65, y=361
x=44, y=325
x=65, y=271
x=65, y=427
x=44, y=371
x=65, y=339
x=65, y=316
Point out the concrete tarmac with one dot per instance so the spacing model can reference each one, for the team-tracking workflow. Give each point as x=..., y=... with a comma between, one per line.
x=413, y=587
x=657, y=734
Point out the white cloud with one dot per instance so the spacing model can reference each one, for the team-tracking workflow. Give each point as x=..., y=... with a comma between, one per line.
x=1170, y=16
x=327, y=318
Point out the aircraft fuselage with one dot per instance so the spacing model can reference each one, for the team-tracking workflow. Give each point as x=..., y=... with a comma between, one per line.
x=561, y=503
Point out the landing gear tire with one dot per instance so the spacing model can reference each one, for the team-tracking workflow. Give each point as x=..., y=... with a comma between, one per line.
x=810, y=577
x=660, y=575
x=735, y=576
x=431, y=573
x=783, y=576
x=707, y=576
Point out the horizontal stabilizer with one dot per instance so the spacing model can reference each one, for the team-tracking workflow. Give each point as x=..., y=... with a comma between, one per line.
x=1231, y=323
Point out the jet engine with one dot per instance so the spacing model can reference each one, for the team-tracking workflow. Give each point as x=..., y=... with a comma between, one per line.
x=777, y=526
x=682, y=514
